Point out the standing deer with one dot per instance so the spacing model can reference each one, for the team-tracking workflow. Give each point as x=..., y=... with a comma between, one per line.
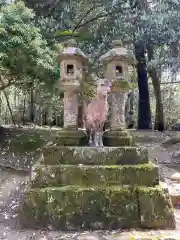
x=96, y=114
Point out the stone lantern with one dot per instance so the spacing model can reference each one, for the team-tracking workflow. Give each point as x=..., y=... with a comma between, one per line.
x=116, y=63
x=72, y=61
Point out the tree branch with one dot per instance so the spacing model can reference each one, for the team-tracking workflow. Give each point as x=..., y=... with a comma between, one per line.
x=85, y=15
x=96, y=18
x=79, y=25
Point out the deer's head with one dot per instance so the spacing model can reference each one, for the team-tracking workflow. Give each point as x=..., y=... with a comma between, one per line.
x=104, y=87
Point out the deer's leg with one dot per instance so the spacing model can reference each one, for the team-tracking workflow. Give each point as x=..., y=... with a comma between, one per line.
x=93, y=135
x=96, y=138
x=88, y=132
x=101, y=139
x=101, y=136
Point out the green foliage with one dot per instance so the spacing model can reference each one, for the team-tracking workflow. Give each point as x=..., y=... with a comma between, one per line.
x=156, y=24
x=24, y=54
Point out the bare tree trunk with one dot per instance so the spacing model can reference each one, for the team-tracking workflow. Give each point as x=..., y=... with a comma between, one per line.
x=159, y=117
x=9, y=107
x=32, y=105
x=24, y=110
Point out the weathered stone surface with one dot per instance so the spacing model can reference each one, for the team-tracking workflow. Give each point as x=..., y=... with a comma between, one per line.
x=121, y=86
x=118, y=138
x=89, y=237
x=72, y=207
x=71, y=137
x=175, y=177
x=84, y=175
x=156, y=210
x=171, y=140
x=53, y=155
x=174, y=191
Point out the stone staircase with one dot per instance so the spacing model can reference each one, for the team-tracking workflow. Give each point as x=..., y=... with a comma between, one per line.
x=96, y=188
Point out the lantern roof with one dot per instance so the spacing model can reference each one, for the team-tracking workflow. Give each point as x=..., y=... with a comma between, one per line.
x=71, y=50
x=118, y=52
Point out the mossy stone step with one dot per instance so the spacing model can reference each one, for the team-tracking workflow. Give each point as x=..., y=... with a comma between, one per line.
x=53, y=155
x=71, y=137
x=85, y=175
x=73, y=207
x=156, y=209
x=118, y=138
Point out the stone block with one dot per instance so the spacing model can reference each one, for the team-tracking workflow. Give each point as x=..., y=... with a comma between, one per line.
x=73, y=207
x=118, y=138
x=53, y=155
x=110, y=207
x=71, y=137
x=84, y=175
x=155, y=207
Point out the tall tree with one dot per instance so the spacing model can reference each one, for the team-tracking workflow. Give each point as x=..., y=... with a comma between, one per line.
x=24, y=55
x=144, y=111
x=151, y=45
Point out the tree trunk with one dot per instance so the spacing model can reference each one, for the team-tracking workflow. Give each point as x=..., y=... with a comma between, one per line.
x=9, y=107
x=32, y=105
x=159, y=117
x=24, y=110
x=8, y=103
x=144, y=111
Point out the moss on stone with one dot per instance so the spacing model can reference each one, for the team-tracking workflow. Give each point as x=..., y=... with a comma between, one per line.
x=145, y=174
x=33, y=209
x=155, y=206
x=118, y=138
x=53, y=155
x=23, y=143
x=121, y=86
x=73, y=207
x=71, y=137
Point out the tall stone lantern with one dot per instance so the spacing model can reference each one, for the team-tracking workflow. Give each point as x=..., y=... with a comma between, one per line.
x=116, y=63
x=72, y=61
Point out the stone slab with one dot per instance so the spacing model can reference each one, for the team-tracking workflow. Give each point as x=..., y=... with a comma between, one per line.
x=174, y=191
x=90, y=175
x=53, y=155
x=72, y=207
x=71, y=137
x=118, y=138
x=155, y=207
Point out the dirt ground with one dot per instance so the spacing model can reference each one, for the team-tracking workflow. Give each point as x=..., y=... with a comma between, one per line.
x=14, y=174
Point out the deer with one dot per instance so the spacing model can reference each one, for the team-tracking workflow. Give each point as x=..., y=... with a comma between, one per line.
x=96, y=114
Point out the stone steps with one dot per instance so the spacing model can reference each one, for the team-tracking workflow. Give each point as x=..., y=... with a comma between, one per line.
x=75, y=187
x=53, y=155
x=92, y=175
x=72, y=207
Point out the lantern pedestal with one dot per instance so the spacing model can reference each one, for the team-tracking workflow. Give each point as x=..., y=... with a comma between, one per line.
x=71, y=137
x=118, y=138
